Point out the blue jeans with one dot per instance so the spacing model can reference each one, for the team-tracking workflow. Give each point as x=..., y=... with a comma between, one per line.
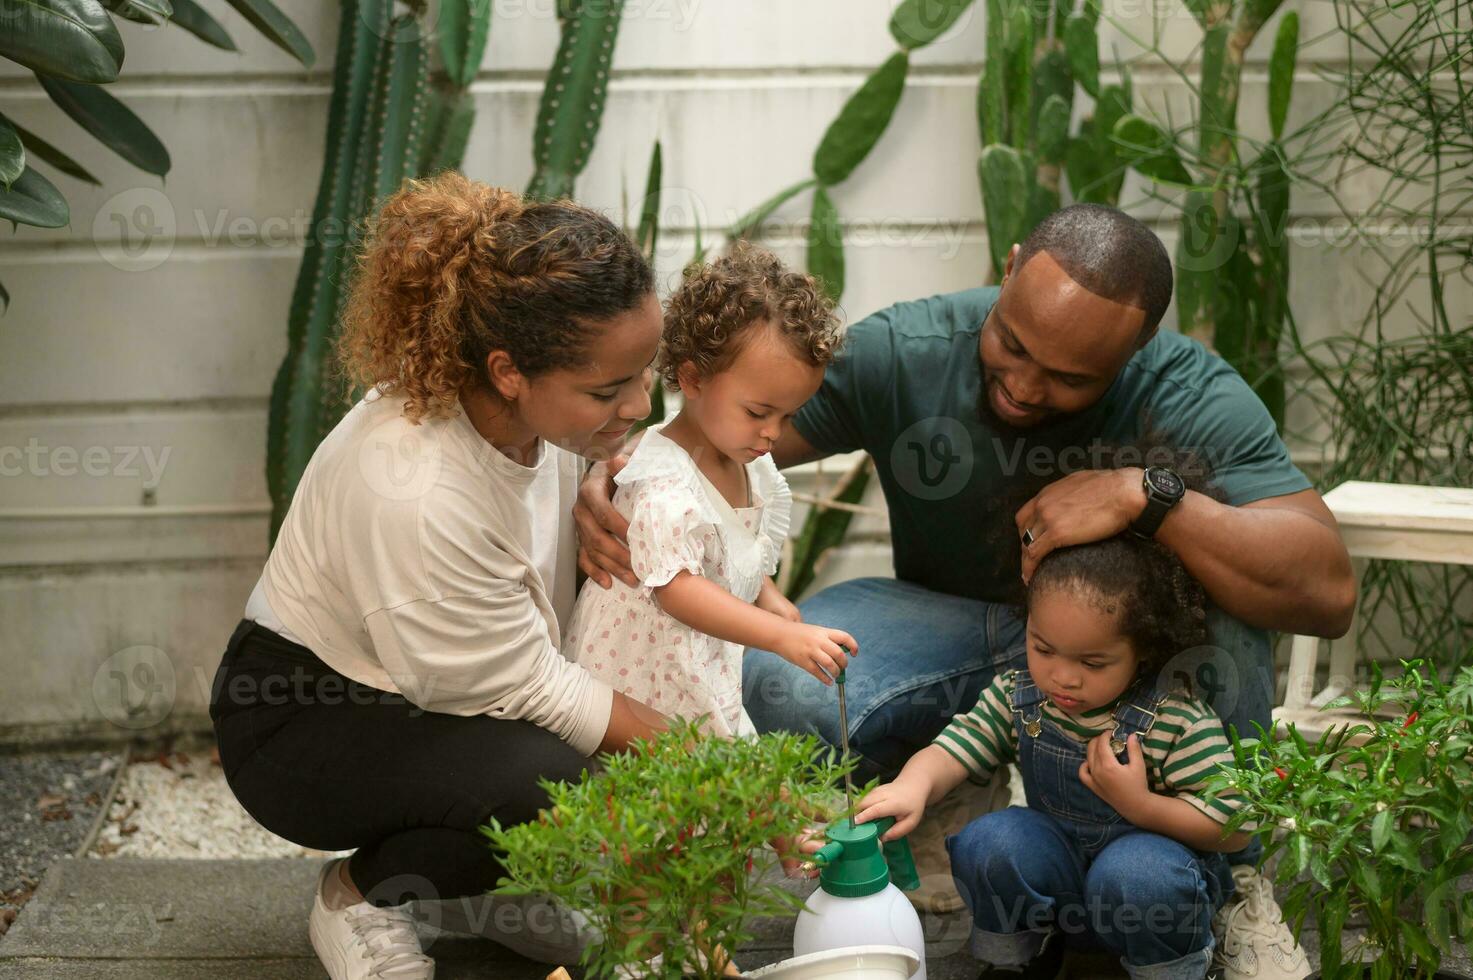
x=1146, y=898
x=925, y=656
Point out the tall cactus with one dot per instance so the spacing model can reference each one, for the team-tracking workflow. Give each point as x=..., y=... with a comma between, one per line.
x=1036, y=53
x=1232, y=275
x=384, y=124
x=573, y=99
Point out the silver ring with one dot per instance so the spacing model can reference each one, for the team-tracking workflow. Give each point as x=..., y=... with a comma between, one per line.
x=1028, y=538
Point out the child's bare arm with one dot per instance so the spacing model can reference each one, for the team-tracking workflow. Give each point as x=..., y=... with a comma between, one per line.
x=1173, y=817
x=703, y=605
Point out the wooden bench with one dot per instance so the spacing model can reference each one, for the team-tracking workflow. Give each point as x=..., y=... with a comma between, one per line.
x=1377, y=520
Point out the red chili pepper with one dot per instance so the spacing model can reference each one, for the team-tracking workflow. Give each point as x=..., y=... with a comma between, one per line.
x=624, y=850
x=1280, y=773
x=604, y=849
x=1411, y=720
x=749, y=864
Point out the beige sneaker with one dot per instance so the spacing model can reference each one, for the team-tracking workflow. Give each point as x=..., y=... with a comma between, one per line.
x=1253, y=941
x=364, y=941
x=960, y=807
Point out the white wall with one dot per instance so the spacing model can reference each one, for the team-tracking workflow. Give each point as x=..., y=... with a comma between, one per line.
x=161, y=353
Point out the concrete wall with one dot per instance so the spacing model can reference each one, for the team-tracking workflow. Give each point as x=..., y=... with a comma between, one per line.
x=138, y=352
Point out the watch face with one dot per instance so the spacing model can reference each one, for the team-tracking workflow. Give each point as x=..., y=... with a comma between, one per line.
x=1165, y=482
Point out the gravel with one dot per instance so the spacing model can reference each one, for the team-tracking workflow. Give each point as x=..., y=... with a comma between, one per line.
x=178, y=805
x=48, y=803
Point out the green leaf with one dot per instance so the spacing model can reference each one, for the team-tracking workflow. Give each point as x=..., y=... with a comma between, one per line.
x=277, y=28
x=1006, y=181
x=861, y=122
x=991, y=90
x=198, y=21
x=464, y=28
x=649, y=214
x=1332, y=926
x=32, y=200
x=71, y=39
x=1019, y=74
x=1281, y=72
x=1416, y=938
x=12, y=153
x=1082, y=45
x=41, y=150
x=1053, y=129
x=113, y=123
x=1150, y=151
x=826, y=245
x=916, y=23
x=751, y=223
x=148, y=12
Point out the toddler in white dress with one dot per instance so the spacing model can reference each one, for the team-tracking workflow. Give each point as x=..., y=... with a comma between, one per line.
x=746, y=342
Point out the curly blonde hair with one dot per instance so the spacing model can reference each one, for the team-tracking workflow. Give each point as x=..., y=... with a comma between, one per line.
x=452, y=269
x=711, y=316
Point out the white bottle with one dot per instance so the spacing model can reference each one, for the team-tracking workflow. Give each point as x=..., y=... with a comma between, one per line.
x=856, y=903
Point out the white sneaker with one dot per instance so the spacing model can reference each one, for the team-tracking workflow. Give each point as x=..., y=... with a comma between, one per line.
x=364, y=941
x=1253, y=941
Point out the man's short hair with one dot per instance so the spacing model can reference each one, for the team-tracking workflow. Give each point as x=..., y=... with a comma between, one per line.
x=1107, y=252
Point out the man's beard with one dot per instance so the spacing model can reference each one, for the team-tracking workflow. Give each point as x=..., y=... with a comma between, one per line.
x=989, y=417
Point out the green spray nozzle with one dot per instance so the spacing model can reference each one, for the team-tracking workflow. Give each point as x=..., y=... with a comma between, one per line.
x=855, y=863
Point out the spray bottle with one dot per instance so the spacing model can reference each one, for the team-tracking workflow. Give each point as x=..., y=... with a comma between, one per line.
x=857, y=902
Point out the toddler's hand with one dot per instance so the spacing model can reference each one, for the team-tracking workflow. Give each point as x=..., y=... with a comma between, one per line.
x=1121, y=786
x=904, y=799
x=817, y=649
x=773, y=601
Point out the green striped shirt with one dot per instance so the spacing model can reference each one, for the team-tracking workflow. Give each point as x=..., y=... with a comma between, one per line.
x=1182, y=749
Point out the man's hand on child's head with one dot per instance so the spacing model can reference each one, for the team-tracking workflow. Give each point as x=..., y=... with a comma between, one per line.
x=602, y=530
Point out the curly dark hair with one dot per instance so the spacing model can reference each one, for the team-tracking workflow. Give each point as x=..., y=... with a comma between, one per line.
x=452, y=269
x=1161, y=609
x=710, y=317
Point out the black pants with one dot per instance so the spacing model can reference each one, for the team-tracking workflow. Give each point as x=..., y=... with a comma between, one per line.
x=329, y=763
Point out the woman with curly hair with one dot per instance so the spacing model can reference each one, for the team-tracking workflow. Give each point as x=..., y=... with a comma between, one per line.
x=1119, y=847
x=398, y=678
x=746, y=342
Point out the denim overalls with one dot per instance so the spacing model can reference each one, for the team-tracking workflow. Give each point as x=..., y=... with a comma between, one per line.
x=1070, y=863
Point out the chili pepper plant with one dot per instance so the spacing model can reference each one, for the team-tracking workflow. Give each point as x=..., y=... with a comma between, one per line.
x=658, y=848
x=1372, y=820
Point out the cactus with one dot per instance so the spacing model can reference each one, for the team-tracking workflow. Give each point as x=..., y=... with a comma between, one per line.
x=1232, y=275
x=388, y=119
x=573, y=98
x=1035, y=56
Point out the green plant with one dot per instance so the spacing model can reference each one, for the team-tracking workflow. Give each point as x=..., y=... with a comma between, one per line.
x=659, y=848
x=1037, y=51
x=74, y=48
x=1232, y=261
x=1376, y=814
x=1390, y=398
x=401, y=107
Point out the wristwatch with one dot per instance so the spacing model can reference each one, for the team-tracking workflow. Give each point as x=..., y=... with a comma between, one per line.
x=1164, y=489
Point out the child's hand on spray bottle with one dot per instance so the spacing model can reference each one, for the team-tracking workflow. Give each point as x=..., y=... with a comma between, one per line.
x=904, y=799
x=819, y=650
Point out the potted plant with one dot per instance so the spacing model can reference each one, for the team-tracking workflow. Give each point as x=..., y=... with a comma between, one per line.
x=658, y=848
x=1372, y=820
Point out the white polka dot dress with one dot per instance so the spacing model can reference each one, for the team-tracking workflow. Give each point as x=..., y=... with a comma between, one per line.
x=679, y=522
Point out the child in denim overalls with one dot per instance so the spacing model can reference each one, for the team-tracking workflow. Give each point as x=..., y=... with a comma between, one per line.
x=1117, y=846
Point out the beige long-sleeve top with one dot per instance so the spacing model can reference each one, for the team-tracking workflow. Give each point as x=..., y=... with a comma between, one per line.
x=418, y=559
